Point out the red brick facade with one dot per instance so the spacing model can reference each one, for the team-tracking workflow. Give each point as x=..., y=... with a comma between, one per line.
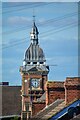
x=72, y=89
x=37, y=106
x=34, y=93
x=31, y=94
x=55, y=90
x=68, y=90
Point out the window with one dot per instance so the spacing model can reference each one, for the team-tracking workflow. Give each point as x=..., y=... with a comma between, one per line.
x=27, y=106
x=34, y=62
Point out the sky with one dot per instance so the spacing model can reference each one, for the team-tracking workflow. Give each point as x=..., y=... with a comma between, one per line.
x=57, y=23
x=40, y=0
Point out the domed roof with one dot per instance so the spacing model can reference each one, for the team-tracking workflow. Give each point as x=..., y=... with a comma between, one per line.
x=41, y=54
x=34, y=53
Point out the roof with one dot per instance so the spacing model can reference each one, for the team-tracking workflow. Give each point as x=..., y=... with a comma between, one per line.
x=34, y=68
x=55, y=84
x=72, y=81
x=34, y=53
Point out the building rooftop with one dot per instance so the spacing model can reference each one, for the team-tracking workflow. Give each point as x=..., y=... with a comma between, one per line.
x=4, y=83
x=51, y=84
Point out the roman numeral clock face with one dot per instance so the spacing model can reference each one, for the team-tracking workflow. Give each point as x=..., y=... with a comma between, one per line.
x=35, y=83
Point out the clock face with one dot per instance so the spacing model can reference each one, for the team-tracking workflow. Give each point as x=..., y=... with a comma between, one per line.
x=35, y=83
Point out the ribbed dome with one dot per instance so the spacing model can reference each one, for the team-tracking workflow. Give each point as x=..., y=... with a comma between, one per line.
x=34, y=53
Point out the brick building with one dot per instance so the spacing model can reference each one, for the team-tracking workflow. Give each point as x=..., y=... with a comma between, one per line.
x=72, y=89
x=34, y=74
x=37, y=97
x=37, y=92
x=67, y=91
x=59, y=95
x=55, y=90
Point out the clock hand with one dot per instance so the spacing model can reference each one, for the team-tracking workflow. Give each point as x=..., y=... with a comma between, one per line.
x=35, y=83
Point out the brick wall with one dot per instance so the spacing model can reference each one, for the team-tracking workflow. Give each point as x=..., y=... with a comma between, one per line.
x=11, y=100
x=37, y=106
x=35, y=92
x=37, y=76
x=55, y=90
x=72, y=89
x=56, y=94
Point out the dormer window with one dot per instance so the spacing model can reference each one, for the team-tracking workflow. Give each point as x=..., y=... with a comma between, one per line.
x=34, y=62
x=41, y=62
x=28, y=62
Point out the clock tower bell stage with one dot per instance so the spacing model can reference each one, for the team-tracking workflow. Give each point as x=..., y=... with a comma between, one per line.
x=34, y=74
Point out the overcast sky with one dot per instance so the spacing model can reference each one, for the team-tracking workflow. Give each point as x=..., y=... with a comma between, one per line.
x=58, y=37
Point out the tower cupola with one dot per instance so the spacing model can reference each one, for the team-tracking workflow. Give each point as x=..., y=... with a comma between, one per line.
x=34, y=54
x=34, y=33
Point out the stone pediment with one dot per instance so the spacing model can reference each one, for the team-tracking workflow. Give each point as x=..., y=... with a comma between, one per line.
x=29, y=68
x=35, y=69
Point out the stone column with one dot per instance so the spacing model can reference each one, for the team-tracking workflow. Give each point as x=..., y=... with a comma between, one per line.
x=47, y=95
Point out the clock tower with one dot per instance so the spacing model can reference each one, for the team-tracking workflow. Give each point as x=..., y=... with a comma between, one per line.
x=34, y=74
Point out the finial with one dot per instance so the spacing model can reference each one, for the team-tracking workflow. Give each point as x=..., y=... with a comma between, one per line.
x=33, y=15
x=33, y=18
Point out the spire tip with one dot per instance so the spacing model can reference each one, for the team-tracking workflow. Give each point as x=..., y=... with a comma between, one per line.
x=33, y=15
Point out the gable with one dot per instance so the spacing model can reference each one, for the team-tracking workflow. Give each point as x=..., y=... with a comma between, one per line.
x=33, y=69
x=36, y=68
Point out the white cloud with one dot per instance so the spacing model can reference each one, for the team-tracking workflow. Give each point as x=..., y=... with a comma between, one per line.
x=9, y=60
x=58, y=39
x=19, y=20
x=61, y=60
x=22, y=20
x=13, y=71
x=42, y=20
x=5, y=43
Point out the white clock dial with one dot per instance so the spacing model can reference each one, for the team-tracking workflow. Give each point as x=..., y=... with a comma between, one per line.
x=35, y=83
